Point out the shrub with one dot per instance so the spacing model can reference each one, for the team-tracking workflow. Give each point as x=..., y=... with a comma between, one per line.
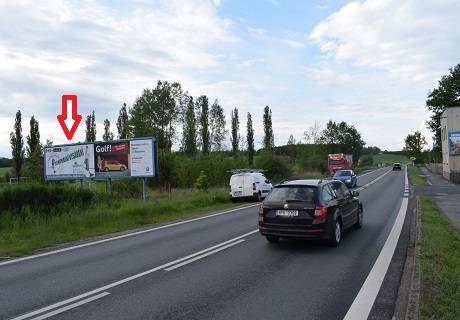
x=366, y=160
x=202, y=182
x=277, y=167
x=48, y=199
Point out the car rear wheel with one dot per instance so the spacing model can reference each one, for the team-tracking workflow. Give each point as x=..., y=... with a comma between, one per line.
x=336, y=234
x=359, y=221
x=272, y=239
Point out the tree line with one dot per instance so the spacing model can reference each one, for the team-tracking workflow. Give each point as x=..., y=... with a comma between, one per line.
x=167, y=110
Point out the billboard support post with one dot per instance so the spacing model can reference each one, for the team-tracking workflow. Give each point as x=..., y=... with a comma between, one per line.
x=144, y=190
x=81, y=184
x=109, y=186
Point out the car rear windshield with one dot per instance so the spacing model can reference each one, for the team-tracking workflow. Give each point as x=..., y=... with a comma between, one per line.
x=292, y=193
x=342, y=174
x=337, y=161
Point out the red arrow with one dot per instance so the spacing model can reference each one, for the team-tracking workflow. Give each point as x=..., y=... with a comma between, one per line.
x=69, y=101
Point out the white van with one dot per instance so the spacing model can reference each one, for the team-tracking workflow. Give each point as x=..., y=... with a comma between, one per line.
x=249, y=184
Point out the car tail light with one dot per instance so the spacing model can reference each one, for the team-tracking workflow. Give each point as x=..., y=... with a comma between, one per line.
x=261, y=213
x=320, y=213
x=253, y=186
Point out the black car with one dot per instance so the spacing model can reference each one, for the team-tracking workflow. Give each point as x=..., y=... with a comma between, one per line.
x=397, y=167
x=319, y=209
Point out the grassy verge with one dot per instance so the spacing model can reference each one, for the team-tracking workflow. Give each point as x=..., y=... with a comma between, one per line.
x=440, y=263
x=416, y=176
x=389, y=159
x=23, y=234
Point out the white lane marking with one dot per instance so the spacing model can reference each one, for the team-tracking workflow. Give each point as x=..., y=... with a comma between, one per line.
x=372, y=181
x=362, y=305
x=365, y=174
x=71, y=306
x=131, y=278
x=204, y=255
x=122, y=236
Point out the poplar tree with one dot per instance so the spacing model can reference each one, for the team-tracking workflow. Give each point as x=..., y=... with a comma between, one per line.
x=269, y=140
x=250, y=140
x=17, y=145
x=33, y=139
x=217, y=127
x=235, y=128
x=189, y=132
x=91, y=127
x=203, y=107
x=107, y=136
x=123, y=123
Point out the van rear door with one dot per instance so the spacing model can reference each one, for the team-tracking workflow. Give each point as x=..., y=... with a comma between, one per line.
x=236, y=185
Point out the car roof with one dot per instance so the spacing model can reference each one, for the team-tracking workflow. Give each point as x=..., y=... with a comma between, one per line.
x=302, y=182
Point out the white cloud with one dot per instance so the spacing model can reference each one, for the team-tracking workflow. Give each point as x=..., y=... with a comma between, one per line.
x=105, y=55
x=413, y=40
x=257, y=31
x=293, y=43
x=326, y=76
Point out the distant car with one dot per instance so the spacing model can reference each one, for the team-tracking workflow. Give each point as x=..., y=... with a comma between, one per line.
x=311, y=209
x=249, y=184
x=397, y=167
x=112, y=165
x=346, y=176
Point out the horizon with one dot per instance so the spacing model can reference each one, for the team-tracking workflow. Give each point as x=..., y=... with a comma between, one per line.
x=310, y=62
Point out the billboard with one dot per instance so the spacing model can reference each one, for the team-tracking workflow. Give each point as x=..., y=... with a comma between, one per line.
x=134, y=158
x=142, y=158
x=112, y=159
x=454, y=143
x=74, y=161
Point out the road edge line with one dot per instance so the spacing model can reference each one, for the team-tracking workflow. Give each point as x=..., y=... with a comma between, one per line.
x=362, y=304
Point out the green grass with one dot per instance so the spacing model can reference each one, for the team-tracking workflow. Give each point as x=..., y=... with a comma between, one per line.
x=389, y=159
x=3, y=172
x=416, y=176
x=440, y=263
x=20, y=236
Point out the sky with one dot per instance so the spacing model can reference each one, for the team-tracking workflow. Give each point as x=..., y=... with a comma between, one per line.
x=370, y=63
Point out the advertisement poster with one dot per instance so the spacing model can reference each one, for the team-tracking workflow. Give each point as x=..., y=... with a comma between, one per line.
x=142, y=158
x=112, y=159
x=454, y=143
x=69, y=162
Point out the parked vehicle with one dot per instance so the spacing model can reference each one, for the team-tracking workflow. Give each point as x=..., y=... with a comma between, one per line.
x=397, y=167
x=249, y=183
x=310, y=209
x=346, y=176
x=339, y=161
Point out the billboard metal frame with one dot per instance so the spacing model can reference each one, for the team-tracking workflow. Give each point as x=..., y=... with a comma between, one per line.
x=154, y=158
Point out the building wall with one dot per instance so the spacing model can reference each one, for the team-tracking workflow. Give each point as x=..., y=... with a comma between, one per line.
x=450, y=122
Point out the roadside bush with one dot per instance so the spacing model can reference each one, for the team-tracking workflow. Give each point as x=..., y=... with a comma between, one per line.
x=202, y=182
x=127, y=188
x=35, y=198
x=366, y=161
x=277, y=167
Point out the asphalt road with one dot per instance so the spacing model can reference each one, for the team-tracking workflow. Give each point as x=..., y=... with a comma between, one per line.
x=236, y=273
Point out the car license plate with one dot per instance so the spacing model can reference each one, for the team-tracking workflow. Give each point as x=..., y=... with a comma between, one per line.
x=237, y=193
x=287, y=213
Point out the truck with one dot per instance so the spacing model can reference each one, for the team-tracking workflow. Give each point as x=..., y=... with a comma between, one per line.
x=339, y=161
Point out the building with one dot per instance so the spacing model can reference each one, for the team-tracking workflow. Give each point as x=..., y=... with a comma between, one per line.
x=450, y=137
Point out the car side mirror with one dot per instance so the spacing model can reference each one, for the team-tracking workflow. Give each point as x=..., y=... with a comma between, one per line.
x=355, y=194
